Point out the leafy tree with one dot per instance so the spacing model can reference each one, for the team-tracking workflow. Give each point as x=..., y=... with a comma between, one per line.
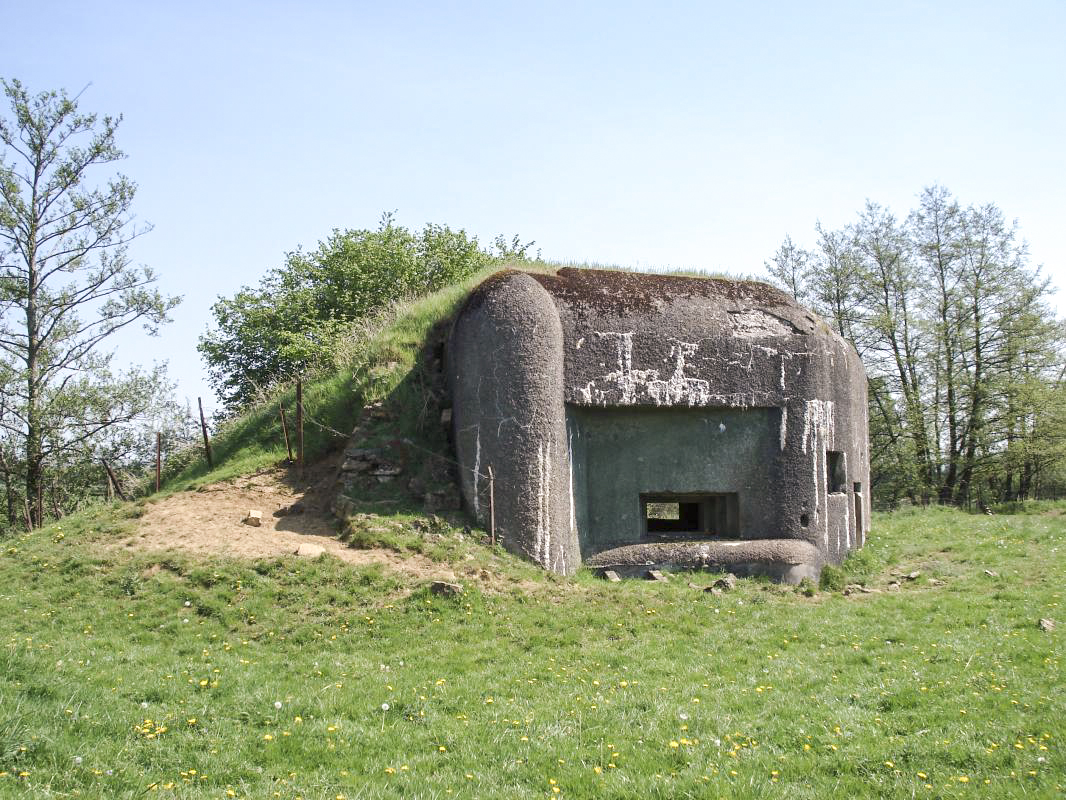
x=66, y=281
x=293, y=321
x=790, y=267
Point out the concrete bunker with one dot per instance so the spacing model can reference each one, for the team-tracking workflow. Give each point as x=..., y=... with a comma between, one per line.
x=638, y=422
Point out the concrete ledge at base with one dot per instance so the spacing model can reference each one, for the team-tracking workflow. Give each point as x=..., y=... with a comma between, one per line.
x=782, y=560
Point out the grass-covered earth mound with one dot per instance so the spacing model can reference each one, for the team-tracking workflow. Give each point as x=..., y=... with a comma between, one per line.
x=132, y=665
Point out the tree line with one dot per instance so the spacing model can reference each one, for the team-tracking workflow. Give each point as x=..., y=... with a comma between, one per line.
x=964, y=354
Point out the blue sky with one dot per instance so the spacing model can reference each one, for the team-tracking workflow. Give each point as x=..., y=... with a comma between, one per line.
x=667, y=134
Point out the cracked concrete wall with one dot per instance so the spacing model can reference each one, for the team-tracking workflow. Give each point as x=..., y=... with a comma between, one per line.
x=593, y=339
x=505, y=362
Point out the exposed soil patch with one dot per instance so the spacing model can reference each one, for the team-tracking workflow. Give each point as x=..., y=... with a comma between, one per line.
x=209, y=522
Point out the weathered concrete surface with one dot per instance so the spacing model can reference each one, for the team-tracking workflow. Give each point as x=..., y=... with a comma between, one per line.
x=588, y=388
x=506, y=356
x=785, y=560
x=620, y=453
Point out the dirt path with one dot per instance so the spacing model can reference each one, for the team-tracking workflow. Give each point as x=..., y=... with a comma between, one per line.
x=209, y=521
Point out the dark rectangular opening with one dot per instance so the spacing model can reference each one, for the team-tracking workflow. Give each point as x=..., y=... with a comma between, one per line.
x=859, y=532
x=836, y=479
x=686, y=516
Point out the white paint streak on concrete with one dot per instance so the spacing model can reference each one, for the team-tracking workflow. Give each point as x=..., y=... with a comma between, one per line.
x=679, y=388
x=542, y=533
x=538, y=532
x=623, y=379
x=784, y=426
x=477, y=471
x=819, y=425
x=755, y=324
x=626, y=386
x=547, y=501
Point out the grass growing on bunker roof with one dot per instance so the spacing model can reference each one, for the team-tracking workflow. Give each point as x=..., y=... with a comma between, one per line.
x=382, y=366
x=132, y=675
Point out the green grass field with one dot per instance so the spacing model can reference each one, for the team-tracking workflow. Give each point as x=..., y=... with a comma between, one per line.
x=135, y=674
x=158, y=675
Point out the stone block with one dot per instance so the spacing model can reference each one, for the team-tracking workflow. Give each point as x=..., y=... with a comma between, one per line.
x=726, y=584
x=446, y=589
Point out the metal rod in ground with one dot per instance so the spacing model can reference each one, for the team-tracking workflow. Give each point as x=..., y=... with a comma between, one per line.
x=114, y=480
x=207, y=441
x=55, y=501
x=492, y=508
x=158, y=459
x=300, y=425
x=285, y=430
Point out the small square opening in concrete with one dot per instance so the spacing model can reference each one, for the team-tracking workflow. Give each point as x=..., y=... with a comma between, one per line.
x=686, y=516
x=836, y=479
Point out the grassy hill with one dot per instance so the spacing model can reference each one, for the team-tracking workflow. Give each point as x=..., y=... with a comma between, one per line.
x=131, y=673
